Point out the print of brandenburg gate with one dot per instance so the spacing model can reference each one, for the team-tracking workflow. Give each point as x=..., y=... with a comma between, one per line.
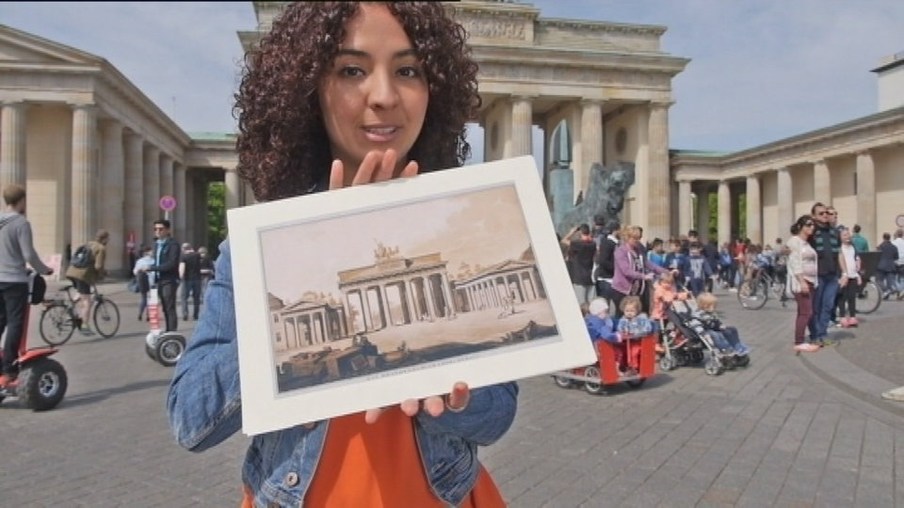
x=424, y=293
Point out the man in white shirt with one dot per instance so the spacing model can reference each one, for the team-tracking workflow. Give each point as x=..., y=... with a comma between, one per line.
x=899, y=243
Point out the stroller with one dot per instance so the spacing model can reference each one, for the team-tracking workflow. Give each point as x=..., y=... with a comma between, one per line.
x=685, y=341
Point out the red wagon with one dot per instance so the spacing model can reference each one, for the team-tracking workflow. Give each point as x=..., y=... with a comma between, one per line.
x=640, y=359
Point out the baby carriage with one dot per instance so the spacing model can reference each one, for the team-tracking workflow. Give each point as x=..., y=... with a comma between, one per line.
x=685, y=341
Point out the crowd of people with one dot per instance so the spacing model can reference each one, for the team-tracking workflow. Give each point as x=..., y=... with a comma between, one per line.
x=820, y=265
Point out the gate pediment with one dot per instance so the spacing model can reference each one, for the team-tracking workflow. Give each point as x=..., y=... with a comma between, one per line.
x=21, y=47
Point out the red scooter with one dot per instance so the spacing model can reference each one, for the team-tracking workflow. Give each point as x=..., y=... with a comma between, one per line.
x=42, y=381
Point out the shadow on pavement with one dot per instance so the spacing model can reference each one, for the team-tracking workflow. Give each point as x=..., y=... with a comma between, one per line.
x=94, y=397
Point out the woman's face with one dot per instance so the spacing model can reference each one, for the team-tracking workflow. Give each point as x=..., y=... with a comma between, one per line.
x=375, y=95
x=846, y=236
x=808, y=228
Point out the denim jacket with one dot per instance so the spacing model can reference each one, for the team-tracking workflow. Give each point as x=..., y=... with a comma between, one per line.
x=204, y=407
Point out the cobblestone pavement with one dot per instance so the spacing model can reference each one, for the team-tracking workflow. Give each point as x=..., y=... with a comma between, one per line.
x=788, y=430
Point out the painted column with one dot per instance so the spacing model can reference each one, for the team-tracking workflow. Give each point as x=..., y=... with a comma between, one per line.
x=447, y=292
x=409, y=300
x=522, y=121
x=754, y=210
x=113, y=196
x=133, y=206
x=428, y=295
x=866, y=197
x=822, y=182
x=151, y=183
x=685, y=207
x=13, y=144
x=591, y=142
x=232, y=188
x=658, y=174
x=181, y=204
x=785, y=199
x=384, y=307
x=724, y=213
x=84, y=172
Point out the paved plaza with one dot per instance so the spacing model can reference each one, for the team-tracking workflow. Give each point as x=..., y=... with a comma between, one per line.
x=786, y=431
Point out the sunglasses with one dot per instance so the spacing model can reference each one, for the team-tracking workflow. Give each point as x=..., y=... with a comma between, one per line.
x=809, y=225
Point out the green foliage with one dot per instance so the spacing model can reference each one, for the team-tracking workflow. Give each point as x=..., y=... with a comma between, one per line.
x=738, y=225
x=216, y=217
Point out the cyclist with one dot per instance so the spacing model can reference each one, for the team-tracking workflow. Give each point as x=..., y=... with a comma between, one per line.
x=85, y=278
x=15, y=249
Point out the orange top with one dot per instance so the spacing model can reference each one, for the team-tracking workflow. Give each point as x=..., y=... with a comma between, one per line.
x=663, y=296
x=378, y=465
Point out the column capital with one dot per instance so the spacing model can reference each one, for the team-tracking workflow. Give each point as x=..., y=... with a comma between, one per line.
x=816, y=161
x=83, y=106
x=865, y=152
x=14, y=104
x=661, y=104
x=522, y=97
x=584, y=101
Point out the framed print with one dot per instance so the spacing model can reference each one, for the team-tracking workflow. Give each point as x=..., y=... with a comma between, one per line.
x=365, y=296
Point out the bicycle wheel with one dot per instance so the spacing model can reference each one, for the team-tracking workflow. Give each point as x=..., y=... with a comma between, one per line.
x=753, y=294
x=106, y=317
x=869, y=298
x=778, y=289
x=57, y=324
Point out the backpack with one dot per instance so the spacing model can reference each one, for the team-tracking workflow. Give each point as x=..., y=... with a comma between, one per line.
x=83, y=257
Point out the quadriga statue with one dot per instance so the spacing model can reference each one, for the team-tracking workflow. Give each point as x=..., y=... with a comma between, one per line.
x=605, y=196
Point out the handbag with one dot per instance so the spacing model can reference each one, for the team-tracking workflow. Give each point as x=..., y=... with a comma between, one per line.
x=133, y=285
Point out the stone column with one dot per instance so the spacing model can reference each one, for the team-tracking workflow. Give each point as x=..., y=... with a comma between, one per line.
x=703, y=212
x=151, y=182
x=84, y=172
x=591, y=142
x=12, y=144
x=754, y=209
x=166, y=176
x=685, y=207
x=785, y=201
x=522, y=121
x=112, y=197
x=724, y=233
x=654, y=182
x=866, y=197
x=822, y=183
x=179, y=194
x=134, y=195
x=232, y=188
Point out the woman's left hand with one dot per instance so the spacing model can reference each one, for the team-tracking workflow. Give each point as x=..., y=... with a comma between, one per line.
x=457, y=400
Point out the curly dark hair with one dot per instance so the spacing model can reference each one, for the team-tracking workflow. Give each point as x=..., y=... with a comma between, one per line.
x=282, y=144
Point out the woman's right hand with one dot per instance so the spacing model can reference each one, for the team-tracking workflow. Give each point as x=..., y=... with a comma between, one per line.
x=376, y=166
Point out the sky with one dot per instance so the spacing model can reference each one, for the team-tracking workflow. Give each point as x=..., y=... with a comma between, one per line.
x=760, y=70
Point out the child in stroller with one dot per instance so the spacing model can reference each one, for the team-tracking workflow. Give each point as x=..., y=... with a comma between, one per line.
x=704, y=333
x=725, y=338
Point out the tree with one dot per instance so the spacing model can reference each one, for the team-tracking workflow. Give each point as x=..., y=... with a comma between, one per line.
x=216, y=217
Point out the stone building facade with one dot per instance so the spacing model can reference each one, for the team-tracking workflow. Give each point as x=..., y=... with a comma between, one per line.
x=94, y=151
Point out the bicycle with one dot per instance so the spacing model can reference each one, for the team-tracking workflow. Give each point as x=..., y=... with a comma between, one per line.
x=753, y=293
x=59, y=319
x=869, y=296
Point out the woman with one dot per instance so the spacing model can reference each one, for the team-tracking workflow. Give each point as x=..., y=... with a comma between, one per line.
x=802, y=278
x=338, y=94
x=632, y=270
